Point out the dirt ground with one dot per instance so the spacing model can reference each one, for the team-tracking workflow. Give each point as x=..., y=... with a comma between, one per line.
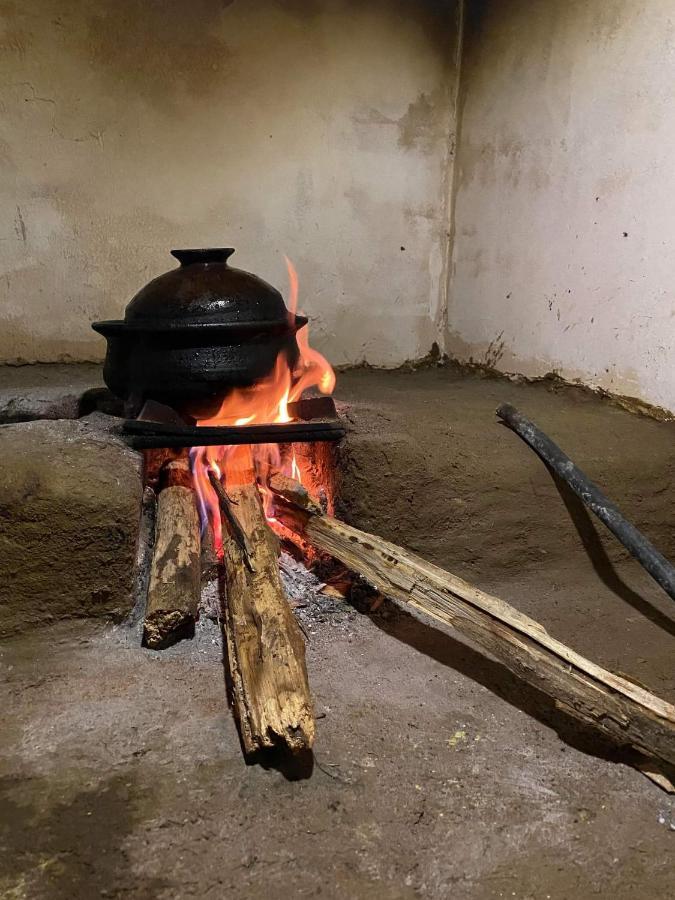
x=428, y=466
x=435, y=774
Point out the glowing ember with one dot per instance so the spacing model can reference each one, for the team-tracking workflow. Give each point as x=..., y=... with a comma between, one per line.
x=265, y=402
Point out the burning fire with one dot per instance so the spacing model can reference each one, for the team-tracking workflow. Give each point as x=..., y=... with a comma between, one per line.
x=265, y=402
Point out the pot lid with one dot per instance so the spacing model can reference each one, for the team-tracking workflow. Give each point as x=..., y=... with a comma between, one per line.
x=204, y=290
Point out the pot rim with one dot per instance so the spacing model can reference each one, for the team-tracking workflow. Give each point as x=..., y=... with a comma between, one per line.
x=116, y=326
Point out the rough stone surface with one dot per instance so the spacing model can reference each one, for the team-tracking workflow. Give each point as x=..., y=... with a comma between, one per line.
x=46, y=391
x=70, y=499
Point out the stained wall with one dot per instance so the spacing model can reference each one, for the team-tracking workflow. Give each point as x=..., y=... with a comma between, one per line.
x=320, y=129
x=564, y=212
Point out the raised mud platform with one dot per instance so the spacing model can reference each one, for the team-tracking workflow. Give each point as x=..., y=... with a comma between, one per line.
x=428, y=465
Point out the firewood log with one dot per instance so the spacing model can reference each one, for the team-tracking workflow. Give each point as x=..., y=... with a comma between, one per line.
x=266, y=650
x=174, y=588
x=292, y=490
x=624, y=712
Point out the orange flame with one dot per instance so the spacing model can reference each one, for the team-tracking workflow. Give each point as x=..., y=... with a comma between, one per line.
x=265, y=402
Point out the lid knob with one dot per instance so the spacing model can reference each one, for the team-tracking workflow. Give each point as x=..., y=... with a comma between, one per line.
x=203, y=255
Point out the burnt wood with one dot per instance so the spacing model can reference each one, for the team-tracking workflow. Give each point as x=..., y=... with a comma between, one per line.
x=621, y=710
x=265, y=648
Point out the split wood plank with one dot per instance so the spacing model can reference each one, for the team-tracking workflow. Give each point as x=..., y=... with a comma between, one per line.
x=266, y=649
x=622, y=711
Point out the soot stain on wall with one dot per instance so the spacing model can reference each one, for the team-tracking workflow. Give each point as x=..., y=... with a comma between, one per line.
x=419, y=127
x=162, y=50
x=146, y=125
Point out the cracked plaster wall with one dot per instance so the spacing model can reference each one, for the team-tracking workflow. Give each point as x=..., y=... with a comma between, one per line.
x=564, y=221
x=321, y=129
x=325, y=129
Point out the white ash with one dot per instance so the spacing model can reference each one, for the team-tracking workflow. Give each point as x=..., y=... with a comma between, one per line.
x=209, y=603
x=301, y=585
x=304, y=592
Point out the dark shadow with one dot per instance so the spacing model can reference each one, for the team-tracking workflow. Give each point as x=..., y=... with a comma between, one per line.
x=99, y=399
x=602, y=565
x=71, y=849
x=293, y=766
x=590, y=538
x=499, y=680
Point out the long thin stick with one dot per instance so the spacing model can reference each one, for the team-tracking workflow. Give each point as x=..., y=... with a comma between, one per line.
x=590, y=494
x=234, y=526
x=623, y=711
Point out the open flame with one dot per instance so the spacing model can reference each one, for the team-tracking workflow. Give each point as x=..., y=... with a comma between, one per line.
x=265, y=402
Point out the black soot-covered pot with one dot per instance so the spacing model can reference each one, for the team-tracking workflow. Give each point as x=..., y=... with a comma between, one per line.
x=194, y=333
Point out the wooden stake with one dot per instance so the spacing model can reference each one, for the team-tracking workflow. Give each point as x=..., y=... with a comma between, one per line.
x=266, y=650
x=622, y=711
x=174, y=588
